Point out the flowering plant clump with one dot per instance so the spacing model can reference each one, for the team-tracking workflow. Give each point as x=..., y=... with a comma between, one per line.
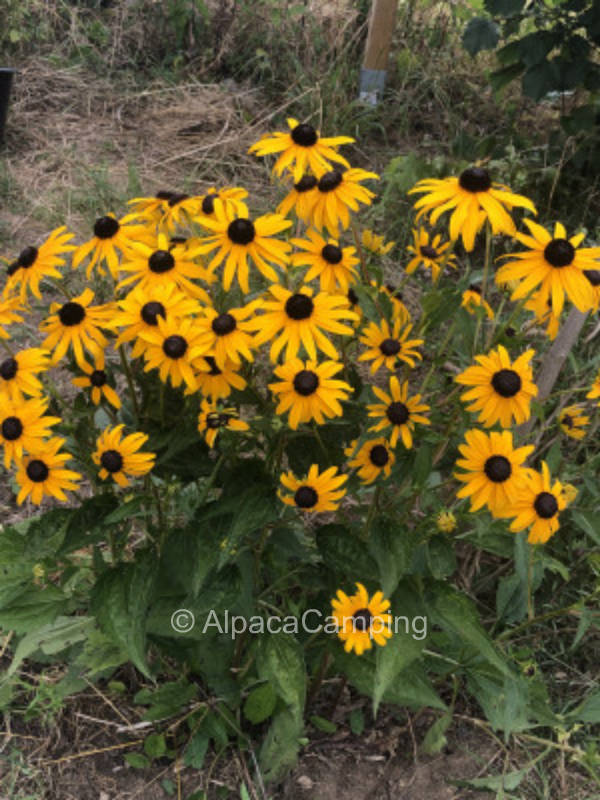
x=229, y=412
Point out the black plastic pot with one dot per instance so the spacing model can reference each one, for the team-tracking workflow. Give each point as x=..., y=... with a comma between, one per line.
x=6, y=78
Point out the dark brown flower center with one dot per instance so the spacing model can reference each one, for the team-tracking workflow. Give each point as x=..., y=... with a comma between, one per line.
x=379, y=455
x=241, y=231
x=559, y=253
x=498, y=469
x=12, y=428
x=352, y=296
x=475, y=179
x=306, y=497
x=105, y=227
x=112, y=461
x=161, y=261
x=217, y=419
x=37, y=471
x=151, y=311
x=71, y=314
x=164, y=194
x=304, y=135
x=299, y=306
x=545, y=505
x=306, y=382
x=177, y=198
x=208, y=204
x=568, y=421
x=593, y=276
x=214, y=370
x=175, y=346
x=389, y=347
x=506, y=382
x=332, y=254
x=12, y=268
x=330, y=180
x=428, y=251
x=362, y=619
x=8, y=368
x=98, y=378
x=224, y=324
x=306, y=183
x=27, y=257
x=397, y=413
x=473, y=287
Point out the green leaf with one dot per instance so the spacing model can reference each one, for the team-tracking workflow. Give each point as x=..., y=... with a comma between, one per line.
x=167, y=700
x=260, y=704
x=435, y=738
x=495, y=783
x=481, y=33
x=129, y=510
x=33, y=608
x=392, y=549
x=504, y=8
x=534, y=47
x=344, y=553
x=155, y=745
x=120, y=602
x=441, y=558
x=511, y=599
x=357, y=721
x=540, y=79
x=322, y=724
x=50, y=639
x=137, y=760
x=502, y=77
x=589, y=522
x=281, y=745
x=85, y=525
x=399, y=652
x=588, y=711
x=195, y=752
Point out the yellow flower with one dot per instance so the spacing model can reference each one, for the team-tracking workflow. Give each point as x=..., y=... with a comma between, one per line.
x=97, y=380
x=150, y=208
x=212, y=419
x=309, y=391
x=537, y=506
x=171, y=348
x=572, y=421
x=429, y=252
x=360, y=620
x=398, y=411
x=301, y=149
x=43, y=473
x=387, y=346
x=225, y=335
x=494, y=471
x=109, y=236
x=337, y=193
x=332, y=265
x=593, y=394
x=216, y=383
x=544, y=314
x=232, y=199
x=316, y=492
x=502, y=390
x=570, y=493
x=18, y=373
x=446, y=521
x=555, y=264
x=10, y=306
x=374, y=458
x=472, y=198
x=118, y=456
x=375, y=243
x=238, y=238
x=471, y=299
x=301, y=198
x=22, y=426
x=36, y=263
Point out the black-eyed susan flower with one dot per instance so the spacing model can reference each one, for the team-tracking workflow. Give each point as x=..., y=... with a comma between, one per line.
x=217, y=383
x=375, y=243
x=150, y=208
x=301, y=198
x=110, y=238
x=362, y=620
x=374, y=458
x=140, y=309
x=502, y=390
x=36, y=263
x=472, y=198
x=158, y=263
x=339, y=192
x=119, y=456
x=18, y=373
x=309, y=391
x=429, y=252
x=445, y=521
x=573, y=421
x=494, y=470
x=76, y=323
x=293, y=319
x=213, y=418
x=43, y=473
x=231, y=197
x=334, y=266
x=301, y=149
x=472, y=299
x=553, y=263
x=22, y=425
x=225, y=334
x=593, y=394
x=10, y=306
x=171, y=347
x=178, y=210
x=398, y=411
x=315, y=492
x=396, y=296
x=238, y=238
x=537, y=506
x=388, y=345
x=96, y=379
x=570, y=493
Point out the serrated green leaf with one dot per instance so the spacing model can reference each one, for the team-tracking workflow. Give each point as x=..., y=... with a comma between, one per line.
x=195, y=752
x=260, y=704
x=137, y=760
x=481, y=33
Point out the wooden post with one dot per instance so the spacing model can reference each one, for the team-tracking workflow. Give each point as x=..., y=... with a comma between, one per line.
x=379, y=39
